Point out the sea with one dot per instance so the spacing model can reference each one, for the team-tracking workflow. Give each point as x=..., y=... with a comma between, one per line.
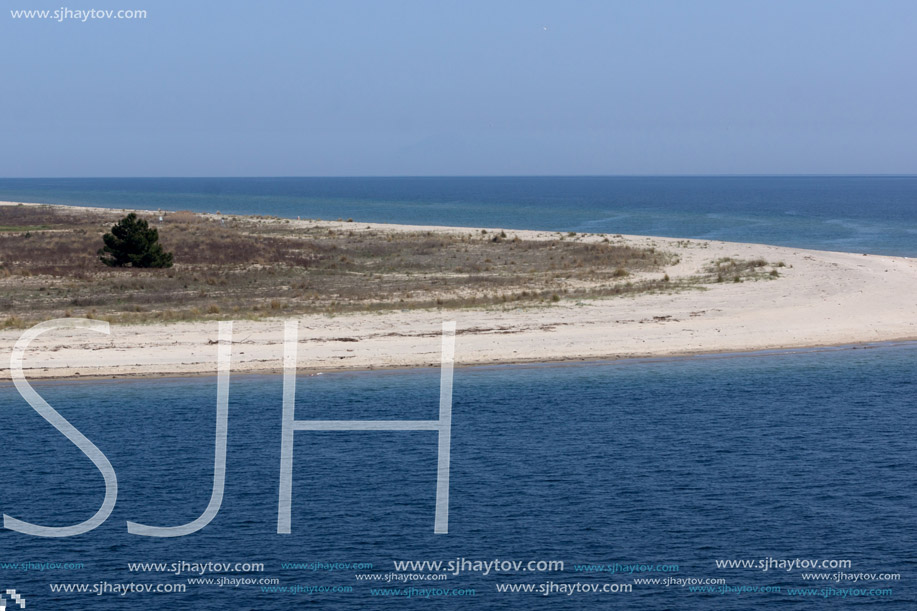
x=734, y=481
x=875, y=214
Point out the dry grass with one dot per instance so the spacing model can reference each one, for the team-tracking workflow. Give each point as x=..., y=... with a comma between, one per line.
x=728, y=269
x=251, y=268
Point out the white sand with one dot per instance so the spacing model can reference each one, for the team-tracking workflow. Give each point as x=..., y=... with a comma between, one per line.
x=821, y=299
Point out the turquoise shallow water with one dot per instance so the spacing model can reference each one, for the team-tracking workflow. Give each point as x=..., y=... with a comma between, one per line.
x=876, y=214
x=803, y=455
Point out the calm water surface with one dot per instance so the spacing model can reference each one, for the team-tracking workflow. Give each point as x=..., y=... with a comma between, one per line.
x=687, y=461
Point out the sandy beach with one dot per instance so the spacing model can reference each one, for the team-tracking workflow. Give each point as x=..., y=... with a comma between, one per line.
x=820, y=299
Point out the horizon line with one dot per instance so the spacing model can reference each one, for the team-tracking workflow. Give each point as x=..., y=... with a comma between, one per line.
x=428, y=176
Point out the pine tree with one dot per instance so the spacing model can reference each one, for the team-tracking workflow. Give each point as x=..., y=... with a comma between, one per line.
x=133, y=242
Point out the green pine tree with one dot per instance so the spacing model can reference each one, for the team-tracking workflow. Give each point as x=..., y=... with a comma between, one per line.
x=133, y=242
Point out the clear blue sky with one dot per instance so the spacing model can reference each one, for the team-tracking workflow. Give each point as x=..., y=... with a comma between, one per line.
x=305, y=88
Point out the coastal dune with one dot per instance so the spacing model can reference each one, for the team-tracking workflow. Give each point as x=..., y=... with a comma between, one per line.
x=819, y=299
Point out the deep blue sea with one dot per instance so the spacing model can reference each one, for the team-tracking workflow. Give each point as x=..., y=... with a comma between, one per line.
x=656, y=463
x=876, y=214
x=626, y=472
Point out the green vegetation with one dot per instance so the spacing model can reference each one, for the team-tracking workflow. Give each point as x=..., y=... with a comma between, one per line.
x=23, y=228
x=132, y=242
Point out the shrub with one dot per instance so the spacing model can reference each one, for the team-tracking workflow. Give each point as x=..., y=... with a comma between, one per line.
x=133, y=242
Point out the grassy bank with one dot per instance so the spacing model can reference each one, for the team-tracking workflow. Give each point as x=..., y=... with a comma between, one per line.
x=251, y=267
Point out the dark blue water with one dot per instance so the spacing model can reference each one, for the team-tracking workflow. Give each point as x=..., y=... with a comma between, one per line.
x=800, y=455
x=876, y=214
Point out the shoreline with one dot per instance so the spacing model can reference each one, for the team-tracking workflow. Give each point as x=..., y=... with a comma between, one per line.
x=566, y=362
x=820, y=299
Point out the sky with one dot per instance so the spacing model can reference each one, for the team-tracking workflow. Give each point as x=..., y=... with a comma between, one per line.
x=369, y=88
